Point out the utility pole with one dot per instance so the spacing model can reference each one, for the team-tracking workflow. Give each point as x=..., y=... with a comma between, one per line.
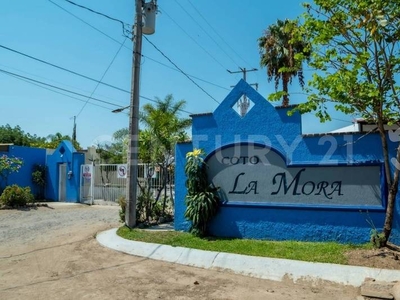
x=133, y=149
x=74, y=130
x=244, y=104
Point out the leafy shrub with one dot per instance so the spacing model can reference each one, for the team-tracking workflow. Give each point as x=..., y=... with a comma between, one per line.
x=122, y=204
x=378, y=240
x=202, y=202
x=39, y=175
x=39, y=179
x=15, y=195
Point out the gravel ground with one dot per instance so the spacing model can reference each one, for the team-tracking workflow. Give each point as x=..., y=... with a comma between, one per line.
x=51, y=253
x=27, y=225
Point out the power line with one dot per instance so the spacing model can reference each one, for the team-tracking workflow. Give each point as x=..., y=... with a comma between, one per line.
x=102, y=77
x=147, y=98
x=194, y=40
x=130, y=49
x=212, y=28
x=162, y=53
x=150, y=43
x=57, y=92
x=192, y=76
x=62, y=68
x=205, y=31
x=82, y=95
x=72, y=72
x=51, y=80
x=56, y=87
x=125, y=31
x=90, y=25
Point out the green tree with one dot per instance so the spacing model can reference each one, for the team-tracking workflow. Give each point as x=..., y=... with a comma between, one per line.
x=115, y=152
x=8, y=165
x=15, y=135
x=356, y=51
x=277, y=54
x=163, y=129
x=162, y=120
x=53, y=140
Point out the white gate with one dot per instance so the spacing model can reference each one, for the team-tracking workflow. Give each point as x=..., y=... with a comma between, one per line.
x=86, y=184
x=106, y=183
x=62, y=182
x=109, y=182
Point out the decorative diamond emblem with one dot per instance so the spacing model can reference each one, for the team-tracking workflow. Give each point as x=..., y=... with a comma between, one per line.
x=243, y=106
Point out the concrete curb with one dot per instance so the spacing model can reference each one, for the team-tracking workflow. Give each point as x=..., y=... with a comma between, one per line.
x=259, y=267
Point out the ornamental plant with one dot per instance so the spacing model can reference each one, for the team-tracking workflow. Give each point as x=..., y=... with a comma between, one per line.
x=202, y=201
x=39, y=179
x=15, y=196
x=8, y=165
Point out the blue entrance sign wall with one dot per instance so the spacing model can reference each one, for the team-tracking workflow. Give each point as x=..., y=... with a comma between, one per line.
x=253, y=173
x=345, y=167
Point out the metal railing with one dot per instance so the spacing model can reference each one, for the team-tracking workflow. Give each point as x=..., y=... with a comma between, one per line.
x=105, y=183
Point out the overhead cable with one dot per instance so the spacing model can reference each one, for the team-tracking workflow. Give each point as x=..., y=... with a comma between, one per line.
x=130, y=49
x=57, y=87
x=62, y=68
x=212, y=28
x=57, y=92
x=194, y=82
x=126, y=32
x=194, y=40
x=102, y=77
x=206, y=32
x=75, y=93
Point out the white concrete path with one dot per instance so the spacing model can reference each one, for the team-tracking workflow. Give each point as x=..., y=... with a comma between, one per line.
x=259, y=267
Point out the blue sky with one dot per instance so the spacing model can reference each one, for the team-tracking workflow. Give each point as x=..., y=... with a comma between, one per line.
x=43, y=30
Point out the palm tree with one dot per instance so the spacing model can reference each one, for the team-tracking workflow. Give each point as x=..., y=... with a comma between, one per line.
x=163, y=122
x=278, y=49
x=163, y=130
x=53, y=140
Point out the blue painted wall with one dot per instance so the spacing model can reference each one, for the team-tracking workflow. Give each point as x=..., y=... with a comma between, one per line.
x=30, y=157
x=272, y=127
x=64, y=154
x=180, y=187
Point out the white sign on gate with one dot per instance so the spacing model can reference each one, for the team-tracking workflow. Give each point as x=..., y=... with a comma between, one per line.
x=122, y=171
x=87, y=172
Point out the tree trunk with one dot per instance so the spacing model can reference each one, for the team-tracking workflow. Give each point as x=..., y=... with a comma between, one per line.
x=165, y=171
x=392, y=184
x=170, y=192
x=285, y=82
x=387, y=227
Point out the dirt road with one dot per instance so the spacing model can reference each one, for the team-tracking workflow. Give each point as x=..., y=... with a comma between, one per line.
x=51, y=253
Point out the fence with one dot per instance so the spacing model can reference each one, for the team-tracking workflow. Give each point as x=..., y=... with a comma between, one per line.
x=107, y=182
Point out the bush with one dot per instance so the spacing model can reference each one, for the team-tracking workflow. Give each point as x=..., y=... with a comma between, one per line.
x=39, y=179
x=15, y=195
x=378, y=240
x=202, y=201
x=122, y=204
